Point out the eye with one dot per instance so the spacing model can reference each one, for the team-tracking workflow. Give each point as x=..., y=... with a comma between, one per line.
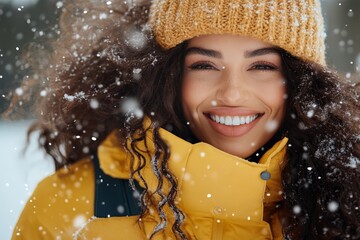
x=263, y=66
x=202, y=66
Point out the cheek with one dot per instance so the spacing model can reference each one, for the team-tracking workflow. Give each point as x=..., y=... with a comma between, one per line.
x=187, y=98
x=274, y=95
x=192, y=95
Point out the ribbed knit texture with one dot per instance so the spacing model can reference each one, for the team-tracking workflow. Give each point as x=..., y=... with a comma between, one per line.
x=294, y=25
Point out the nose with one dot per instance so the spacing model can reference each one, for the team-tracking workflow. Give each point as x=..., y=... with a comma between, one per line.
x=232, y=90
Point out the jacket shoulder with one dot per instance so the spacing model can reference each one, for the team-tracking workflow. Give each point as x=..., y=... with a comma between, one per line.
x=60, y=204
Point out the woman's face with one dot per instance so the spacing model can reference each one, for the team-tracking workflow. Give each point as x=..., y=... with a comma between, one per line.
x=233, y=92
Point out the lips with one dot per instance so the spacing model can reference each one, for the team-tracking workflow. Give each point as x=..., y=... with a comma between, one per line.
x=233, y=122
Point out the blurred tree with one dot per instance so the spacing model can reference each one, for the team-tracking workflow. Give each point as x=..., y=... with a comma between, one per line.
x=20, y=22
x=342, y=20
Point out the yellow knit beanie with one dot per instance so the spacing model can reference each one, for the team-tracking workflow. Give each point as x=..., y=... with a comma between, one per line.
x=294, y=25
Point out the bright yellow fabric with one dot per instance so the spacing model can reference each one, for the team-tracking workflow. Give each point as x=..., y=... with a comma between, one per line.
x=223, y=196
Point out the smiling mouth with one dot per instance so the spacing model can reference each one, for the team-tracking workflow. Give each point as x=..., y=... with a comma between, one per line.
x=233, y=120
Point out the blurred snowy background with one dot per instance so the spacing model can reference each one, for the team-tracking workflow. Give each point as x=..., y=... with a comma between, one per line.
x=19, y=172
x=22, y=20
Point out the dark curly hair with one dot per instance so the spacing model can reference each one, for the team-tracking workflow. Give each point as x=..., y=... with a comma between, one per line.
x=106, y=57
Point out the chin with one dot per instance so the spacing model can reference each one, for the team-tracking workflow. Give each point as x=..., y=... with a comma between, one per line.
x=234, y=150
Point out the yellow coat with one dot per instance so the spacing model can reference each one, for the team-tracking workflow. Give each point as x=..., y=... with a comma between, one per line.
x=222, y=196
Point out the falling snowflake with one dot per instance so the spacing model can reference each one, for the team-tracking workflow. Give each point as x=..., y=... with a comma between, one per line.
x=333, y=206
x=297, y=209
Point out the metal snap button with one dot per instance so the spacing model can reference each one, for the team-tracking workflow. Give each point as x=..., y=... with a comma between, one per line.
x=265, y=175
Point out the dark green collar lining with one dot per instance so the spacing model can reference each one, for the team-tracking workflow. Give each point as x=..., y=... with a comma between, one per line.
x=114, y=197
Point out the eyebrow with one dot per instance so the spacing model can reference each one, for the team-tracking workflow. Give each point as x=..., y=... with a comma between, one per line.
x=217, y=54
x=262, y=51
x=203, y=51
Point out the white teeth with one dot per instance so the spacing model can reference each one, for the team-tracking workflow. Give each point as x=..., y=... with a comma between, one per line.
x=242, y=120
x=233, y=120
x=222, y=120
x=217, y=119
x=236, y=121
x=228, y=121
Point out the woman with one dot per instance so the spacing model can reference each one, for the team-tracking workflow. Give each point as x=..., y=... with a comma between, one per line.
x=261, y=141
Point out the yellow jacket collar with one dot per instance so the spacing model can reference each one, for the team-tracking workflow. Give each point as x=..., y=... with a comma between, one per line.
x=212, y=185
x=114, y=158
x=200, y=159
